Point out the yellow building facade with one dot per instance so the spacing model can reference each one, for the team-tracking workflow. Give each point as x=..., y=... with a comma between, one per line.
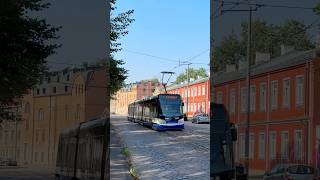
x=63, y=100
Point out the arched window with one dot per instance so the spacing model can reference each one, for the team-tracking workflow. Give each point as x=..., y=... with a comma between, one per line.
x=27, y=107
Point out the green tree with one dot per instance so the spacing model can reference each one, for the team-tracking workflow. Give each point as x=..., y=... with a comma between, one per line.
x=24, y=46
x=193, y=74
x=119, y=25
x=266, y=38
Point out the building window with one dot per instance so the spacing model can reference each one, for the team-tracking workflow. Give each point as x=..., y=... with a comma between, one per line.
x=232, y=103
x=274, y=94
x=219, y=97
x=43, y=135
x=27, y=123
x=37, y=135
x=35, y=156
x=43, y=90
x=195, y=91
x=38, y=91
x=68, y=77
x=242, y=146
x=243, y=99
x=6, y=136
x=203, y=106
x=25, y=150
x=42, y=156
x=199, y=91
x=12, y=135
x=272, y=145
x=251, y=141
x=261, y=145
x=18, y=154
x=286, y=93
x=78, y=112
x=65, y=88
x=297, y=144
x=27, y=107
x=203, y=90
x=299, y=90
x=54, y=89
x=252, y=98
x=58, y=78
x=199, y=107
x=40, y=115
x=284, y=145
x=263, y=97
x=48, y=79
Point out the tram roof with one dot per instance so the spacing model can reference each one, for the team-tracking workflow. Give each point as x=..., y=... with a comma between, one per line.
x=152, y=97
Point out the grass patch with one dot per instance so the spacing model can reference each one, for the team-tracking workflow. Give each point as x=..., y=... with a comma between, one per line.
x=133, y=173
x=125, y=151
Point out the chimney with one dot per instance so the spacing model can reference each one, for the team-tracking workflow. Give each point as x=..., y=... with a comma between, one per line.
x=230, y=67
x=286, y=49
x=242, y=64
x=262, y=57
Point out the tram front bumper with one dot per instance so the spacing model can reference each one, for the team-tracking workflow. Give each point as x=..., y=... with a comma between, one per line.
x=168, y=126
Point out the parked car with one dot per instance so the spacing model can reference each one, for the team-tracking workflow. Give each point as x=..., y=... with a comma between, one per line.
x=291, y=172
x=240, y=172
x=200, y=118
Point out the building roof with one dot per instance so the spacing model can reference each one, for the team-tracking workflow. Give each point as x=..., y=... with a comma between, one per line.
x=287, y=60
x=176, y=86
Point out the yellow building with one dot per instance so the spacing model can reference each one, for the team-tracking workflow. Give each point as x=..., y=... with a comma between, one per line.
x=63, y=100
x=129, y=93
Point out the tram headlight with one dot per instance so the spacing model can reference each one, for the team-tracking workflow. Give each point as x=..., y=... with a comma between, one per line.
x=180, y=121
x=160, y=121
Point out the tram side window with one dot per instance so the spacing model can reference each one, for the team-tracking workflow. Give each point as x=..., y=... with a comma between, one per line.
x=146, y=111
x=153, y=111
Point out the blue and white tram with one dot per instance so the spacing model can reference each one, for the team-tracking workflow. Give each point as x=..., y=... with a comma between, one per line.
x=161, y=112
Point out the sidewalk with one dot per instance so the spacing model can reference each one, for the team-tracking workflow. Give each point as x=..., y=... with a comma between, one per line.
x=119, y=168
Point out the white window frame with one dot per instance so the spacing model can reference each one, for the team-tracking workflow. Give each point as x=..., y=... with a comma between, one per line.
x=272, y=145
x=243, y=100
x=203, y=90
x=242, y=145
x=251, y=145
x=263, y=97
x=232, y=103
x=274, y=94
x=286, y=93
x=284, y=149
x=299, y=100
x=203, y=106
x=298, y=145
x=262, y=145
x=253, y=93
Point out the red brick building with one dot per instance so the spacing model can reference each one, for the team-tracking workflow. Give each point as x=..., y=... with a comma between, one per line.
x=284, y=105
x=198, y=95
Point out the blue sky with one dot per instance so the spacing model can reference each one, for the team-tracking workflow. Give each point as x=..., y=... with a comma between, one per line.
x=176, y=30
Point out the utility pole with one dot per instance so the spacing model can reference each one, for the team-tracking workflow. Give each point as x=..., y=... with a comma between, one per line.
x=188, y=81
x=247, y=132
x=247, y=127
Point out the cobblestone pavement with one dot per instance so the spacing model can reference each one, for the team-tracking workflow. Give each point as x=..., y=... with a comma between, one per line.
x=167, y=155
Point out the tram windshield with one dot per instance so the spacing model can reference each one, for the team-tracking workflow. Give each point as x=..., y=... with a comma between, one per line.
x=171, y=105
